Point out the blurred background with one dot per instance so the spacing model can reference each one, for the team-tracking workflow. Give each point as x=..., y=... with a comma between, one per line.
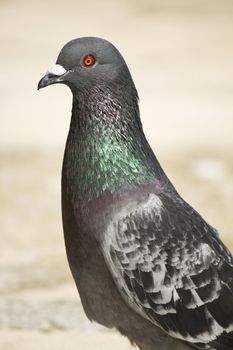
x=180, y=53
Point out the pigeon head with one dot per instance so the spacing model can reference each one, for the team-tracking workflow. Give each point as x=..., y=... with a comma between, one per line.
x=87, y=62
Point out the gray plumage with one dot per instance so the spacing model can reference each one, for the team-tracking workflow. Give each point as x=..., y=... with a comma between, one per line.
x=144, y=261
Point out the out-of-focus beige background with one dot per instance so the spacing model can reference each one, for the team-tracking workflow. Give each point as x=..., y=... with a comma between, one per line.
x=180, y=53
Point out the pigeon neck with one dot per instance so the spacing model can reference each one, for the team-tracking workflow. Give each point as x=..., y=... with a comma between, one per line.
x=106, y=151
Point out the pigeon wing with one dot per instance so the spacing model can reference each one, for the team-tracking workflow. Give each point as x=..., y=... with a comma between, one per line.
x=171, y=267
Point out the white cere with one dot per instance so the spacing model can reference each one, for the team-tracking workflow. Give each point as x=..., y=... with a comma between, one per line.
x=57, y=70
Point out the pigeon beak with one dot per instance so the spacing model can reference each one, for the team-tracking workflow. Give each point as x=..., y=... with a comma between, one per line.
x=53, y=76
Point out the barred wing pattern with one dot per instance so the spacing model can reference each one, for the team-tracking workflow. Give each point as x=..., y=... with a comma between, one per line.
x=171, y=267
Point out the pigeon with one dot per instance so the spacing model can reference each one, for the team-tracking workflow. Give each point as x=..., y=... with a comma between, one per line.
x=144, y=261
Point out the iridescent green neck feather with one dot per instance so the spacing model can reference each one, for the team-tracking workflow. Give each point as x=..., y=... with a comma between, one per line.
x=106, y=150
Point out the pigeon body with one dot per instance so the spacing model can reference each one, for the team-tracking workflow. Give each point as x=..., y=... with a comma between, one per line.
x=143, y=260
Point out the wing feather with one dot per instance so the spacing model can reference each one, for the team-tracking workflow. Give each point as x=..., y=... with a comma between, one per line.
x=172, y=268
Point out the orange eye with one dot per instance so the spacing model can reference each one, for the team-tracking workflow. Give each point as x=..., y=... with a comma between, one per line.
x=88, y=60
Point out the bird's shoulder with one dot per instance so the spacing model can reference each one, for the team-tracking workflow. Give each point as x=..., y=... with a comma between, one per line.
x=171, y=267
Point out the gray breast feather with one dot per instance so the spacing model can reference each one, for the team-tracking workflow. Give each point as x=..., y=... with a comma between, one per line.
x=171, y=267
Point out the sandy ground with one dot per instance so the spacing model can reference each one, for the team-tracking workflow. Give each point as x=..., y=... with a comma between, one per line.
x=180, y=54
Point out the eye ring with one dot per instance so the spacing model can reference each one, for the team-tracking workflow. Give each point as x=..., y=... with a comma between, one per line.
x=88, y=60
